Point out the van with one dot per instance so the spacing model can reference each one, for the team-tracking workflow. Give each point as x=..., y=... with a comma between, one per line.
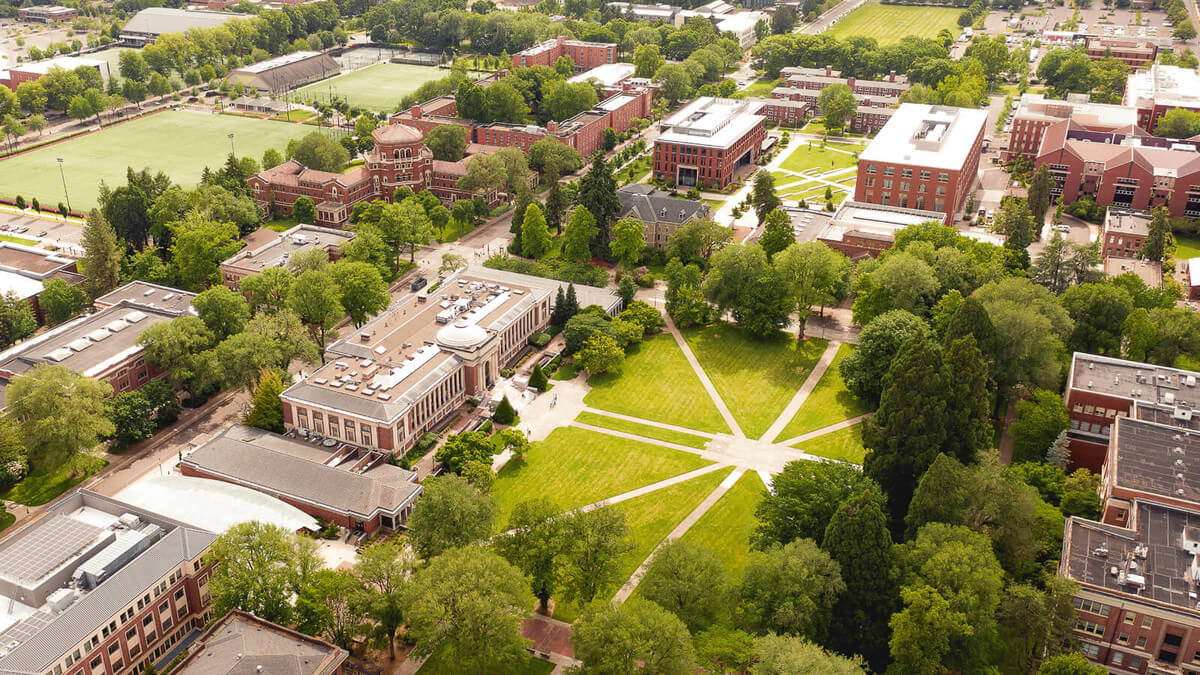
x=418, y=284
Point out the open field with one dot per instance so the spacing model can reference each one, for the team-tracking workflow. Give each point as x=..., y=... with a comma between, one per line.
x=646, y=430
x=657, y=383
x=889, y=23
x=576, y=467
x=180, y=143
x=378, y=87
x=726, y=528
x=756, y=378
x=112, y=57
x=759, y=87
x=828, y=403
x=41, y=486
x=844, y=444
x=1186, y=247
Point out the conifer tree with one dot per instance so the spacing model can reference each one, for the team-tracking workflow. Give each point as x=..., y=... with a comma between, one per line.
x=968, y=430
x=266, y=410
x=537, y=378
x=505, y=414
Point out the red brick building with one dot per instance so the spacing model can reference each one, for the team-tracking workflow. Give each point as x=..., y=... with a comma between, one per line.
x=1135, y=53
x=789, y=106
x=47, y=13
x=239, y=638
x=1035, y=113
x=399, y=159
x=1124, y=233
x=816, y=79
x=925, y=158
x=1158, y=88
x=709, y=141
x=585, y=55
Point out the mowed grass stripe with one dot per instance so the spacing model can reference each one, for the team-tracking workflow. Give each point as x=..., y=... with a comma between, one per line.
x=828, y=403
x=844, y=444
x=726, y=528
x=639, y=429
x=889, y=23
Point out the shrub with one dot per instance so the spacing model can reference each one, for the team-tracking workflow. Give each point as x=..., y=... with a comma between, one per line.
x=646, y=280
x=540, y=340
x=505, y=414
x=486, y=427
x=507, y=372
x=426, y=441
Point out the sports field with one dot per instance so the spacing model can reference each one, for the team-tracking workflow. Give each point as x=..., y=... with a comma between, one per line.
x=889, y=23
x=180, y=143
x=378, y=87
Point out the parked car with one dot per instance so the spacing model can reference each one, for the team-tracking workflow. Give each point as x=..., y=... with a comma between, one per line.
x=419, y=284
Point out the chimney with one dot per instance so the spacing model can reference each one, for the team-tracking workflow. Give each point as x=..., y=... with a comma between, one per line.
x=828, y=71
x=416, y=112
x=892, y=76
x=552, y=126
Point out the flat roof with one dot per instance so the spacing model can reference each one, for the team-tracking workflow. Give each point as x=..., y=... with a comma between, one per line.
x=64, y=62
x=712, y=122
x=608, y=74
x=1164, y=86
x=1134, y=380
x=19, y=285
x=1155, y=458
x=1086, y=112
x=874, y=219
x=1146, y=270
x=159, y=20
x=150, y=295
x=1124, y=221
x=940, y=137
x=36, y=261
x=275, y=252
x=212, y=505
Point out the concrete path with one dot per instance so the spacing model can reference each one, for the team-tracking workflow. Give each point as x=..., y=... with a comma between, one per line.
x=686, y=524
x=650, y=423
x=708, y=385
x=824, y=430
x=634, y=437
x=810, y=383
x=654, y=487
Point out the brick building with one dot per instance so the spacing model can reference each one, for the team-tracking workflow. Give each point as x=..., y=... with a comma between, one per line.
x=47, y=13
x=240, y=638
x=406, y=371
x=585, y=55
x=925, y=158
x=1124, y=233
x=24, y=271
x=399, y=159
x=708, y=141
x=1126, y=170
x=661, y=213
x=32, y=71
x=1157, y=89
x=100, y=586
x=1134, y=53
x=860, y=230
x=265, y=249
x=816, y=79
x=1035, y=113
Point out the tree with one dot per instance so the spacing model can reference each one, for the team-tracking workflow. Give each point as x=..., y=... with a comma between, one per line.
x=175, y=346
x=763, y=198
x=1015, y=221
x=591, y=562
x=332, y=605
x=1039, y=421
x=406, y=225
x=857, y=539
x=61, y=413
x=789, y=590
x=364, y=293
x=61, y=301
x=600, y=354
x=647, y=59
x=696, y=241
x=581, y=229
x=813, y=273
x=562, y=100
x=132, y=416
x=803, y=499
x=384, y=568
x=965, y=374
x=778, y=233
x=1030, y=325
x=1070, y=664
x=268, y=290
x=504, y=413
x=906, y=433
x=198, y=248
x=1177, y=123
x=674, y=82
x=533, y=542
x=447, y=142
x=880, y=341
x=461, y=449
x=687, y=580
x=450, y=513
x=781, y=655
x=837, y=104
x=318, y=152
x=467, y=606
x=101, y=257
x=1159, y=238
x=535, y=236
x=628, y=240
x=266, y=410
x=1039, y=195
x=502, y=102
x=316, y=300
x=723, y=649
x=255, y=566
x=17, y=321
x=923, y=632
x=1081, y=495
x=1099, y=312
x=598, y=193
x=636, y=636
x=556, y=202
x=224, y=312
x=303, y=210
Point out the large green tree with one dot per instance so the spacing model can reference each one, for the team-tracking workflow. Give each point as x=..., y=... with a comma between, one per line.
x=363, y=292
x=450, y=513
x=687, y=580
x=598, y=538
x=878, y=344
x=804, y=497
x=598, y=193
x=256, y=565
x=533, y=541
x=789, y=590
x=61, y=413
x=223, y=311
x=782, y=655
x=636, y=636
x=101, y=256
x=316, y=300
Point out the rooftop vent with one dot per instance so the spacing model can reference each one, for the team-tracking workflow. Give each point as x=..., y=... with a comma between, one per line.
x=134, y=316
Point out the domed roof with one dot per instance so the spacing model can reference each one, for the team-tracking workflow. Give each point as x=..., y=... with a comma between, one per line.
x=398, y=133
x=461, y=335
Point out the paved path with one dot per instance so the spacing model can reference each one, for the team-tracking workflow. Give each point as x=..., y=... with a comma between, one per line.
x=633, y=437
x=654, y=487
x=708, y=385
x=686, y=524
x=793, y=406
x=823, y=430
x=651, y=423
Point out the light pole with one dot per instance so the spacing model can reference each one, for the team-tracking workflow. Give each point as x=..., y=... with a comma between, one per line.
x=62, y=173
x=231, y=151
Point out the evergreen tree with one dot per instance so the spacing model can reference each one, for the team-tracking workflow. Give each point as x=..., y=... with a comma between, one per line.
x=966, y=379
x=505, y=414
x=556, y=201
x=560, y=306
x=908, y=431
x=972, y=319
x=571, y=304
x=763, y=196
x=266, y=410
x=598, y=192
x=858, y=540
x=1160, y=238
x=1039, y=194
x=537, y=378
x=101, y=260
x=1059, y=453
x=524, y=199
x=535, y=236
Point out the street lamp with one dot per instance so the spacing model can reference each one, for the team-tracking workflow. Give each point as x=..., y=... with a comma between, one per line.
x=64, y=182
x=231, y=145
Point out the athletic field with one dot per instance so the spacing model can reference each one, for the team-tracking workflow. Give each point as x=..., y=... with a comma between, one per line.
x=378, y=87
x=181, y=143
x=889, y=23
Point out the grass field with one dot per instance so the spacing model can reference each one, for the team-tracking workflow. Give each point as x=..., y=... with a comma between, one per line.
x=41, y=486
x=646, y=430
x=179, y=143
x=378, y=87
x=575, y=467
x=889, y=23
x=112, y=56
x=812, y=156
x=844, y=444
x=829, y=403
x=657, y=383
x=726, y=528
x=756, y=378
x=1186, y=247
x=760, y=87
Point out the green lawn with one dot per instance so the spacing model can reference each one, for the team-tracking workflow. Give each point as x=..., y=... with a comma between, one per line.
x=714, y=203
x=812, y=156
x=646, y=430
x=42, y=486
x=726, y=528
x=657, y=383
x=575, y=467
x=889, y=23
x=567, y=371
x=18, y=240
x=530, y=666
x=761, y=87
x=194, y=140
x=6, y=520
x=112, y=56
x=756, y=378
x=1186, y=247
x=844, y=444
x=829, y=403
x=378, y=87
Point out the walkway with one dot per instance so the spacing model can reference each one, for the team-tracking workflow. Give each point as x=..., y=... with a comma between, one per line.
x=793, y=406
x=708, y=385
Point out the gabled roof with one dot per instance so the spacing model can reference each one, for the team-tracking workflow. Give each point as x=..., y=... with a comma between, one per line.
x=651, y=205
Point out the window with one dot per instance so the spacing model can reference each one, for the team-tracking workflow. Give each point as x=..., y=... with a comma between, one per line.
x=889, y=171
x=179, y=594
x=131, y=634
x=96, y=663
x=114, y=648
x=943, y=177
x=1141, y=642
x=1130, y=617
x=1091, y=606
x=887, y=183
x=1123, y=638
x=906, y=173
x=1135, y=662
x=1118, y=658
x=148, y=620
x=1092, y=651
x=1147, y=621
x=924, y=175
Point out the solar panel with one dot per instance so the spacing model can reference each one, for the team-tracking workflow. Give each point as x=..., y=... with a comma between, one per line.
x=48, y=546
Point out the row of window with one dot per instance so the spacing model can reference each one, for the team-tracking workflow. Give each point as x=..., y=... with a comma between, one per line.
x=943, y=177
x=905, y=186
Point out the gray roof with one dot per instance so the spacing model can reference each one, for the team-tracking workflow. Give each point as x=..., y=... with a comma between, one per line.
x=241, y=643
x=651, y=205
x=278, y=464
x=86, y=615
x=587, y=295
x=156, y=21
x=287, y=71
